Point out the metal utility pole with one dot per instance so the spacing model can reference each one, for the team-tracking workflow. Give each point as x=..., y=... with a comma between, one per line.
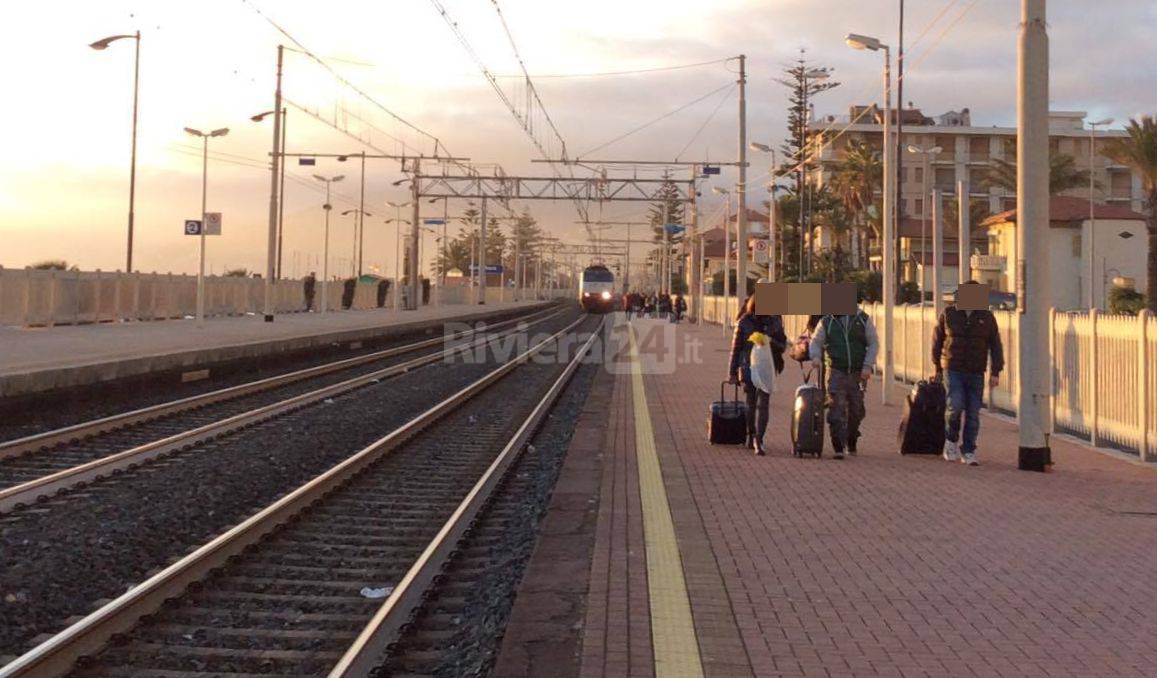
x=274, y=187
x=741, y=194
x=482, y=255
x=201, y=237
x=281, y=192
x=898, y=147
x=694, y=276
x=325, y=248
x=665, y=260
x=362, y=217
x=1032, y=189
x=415, y=225
x=937, y=250
x=964, y=232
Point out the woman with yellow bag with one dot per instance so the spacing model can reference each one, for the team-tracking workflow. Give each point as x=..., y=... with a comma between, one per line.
x=756, y=348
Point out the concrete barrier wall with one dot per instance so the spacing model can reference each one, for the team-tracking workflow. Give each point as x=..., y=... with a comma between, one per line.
x=1104, y=368
x=31, y=297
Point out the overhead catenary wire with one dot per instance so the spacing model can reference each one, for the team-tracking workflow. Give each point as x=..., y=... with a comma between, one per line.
x=301, y=48
x=637, y=71
x=722, y=100
x=658, y=119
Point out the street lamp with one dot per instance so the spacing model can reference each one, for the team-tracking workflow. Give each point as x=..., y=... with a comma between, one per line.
x=204, y=186
x=325, y=248
x=1093, y=125
x=888, y=251
x=358, y=234
x=281, y=179
x=101, y=45
x=926, y=191
x=772, y=235
x=726, y=256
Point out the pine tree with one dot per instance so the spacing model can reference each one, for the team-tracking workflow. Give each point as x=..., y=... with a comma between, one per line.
x=797, y=144
x=669, y=195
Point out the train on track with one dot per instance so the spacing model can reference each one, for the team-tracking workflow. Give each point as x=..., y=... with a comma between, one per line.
x=597, y=289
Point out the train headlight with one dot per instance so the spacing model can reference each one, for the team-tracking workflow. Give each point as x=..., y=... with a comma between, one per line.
x=606, y=295
x=586, y=294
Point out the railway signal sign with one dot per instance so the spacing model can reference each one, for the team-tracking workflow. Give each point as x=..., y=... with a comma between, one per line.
x=192, y=227
x=212, y=223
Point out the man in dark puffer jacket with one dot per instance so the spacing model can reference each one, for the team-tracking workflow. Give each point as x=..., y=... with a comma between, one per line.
x=961, y=344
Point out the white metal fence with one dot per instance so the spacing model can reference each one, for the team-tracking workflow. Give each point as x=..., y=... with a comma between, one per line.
x=1104, y=368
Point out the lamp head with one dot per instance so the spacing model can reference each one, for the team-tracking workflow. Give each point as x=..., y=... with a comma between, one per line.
x=1101, y=123
x=219, y=132
x=338, y=178
x=719, y=191
x=261, y=116
x=857, y=41
x=194, y=132
x=756, y=146
x=103, y=43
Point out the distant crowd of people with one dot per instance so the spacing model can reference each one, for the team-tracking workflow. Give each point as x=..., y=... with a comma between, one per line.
x=655, y=305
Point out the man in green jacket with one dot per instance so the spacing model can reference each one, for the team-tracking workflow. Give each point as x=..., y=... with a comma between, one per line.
x=848, y=344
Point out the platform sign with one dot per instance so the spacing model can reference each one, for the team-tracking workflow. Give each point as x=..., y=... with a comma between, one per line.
x=675, y=229
x=192, y=227
x=434, y=222
x=759, y=251
x=212, y=223
x=709, y=170
x=491, y=269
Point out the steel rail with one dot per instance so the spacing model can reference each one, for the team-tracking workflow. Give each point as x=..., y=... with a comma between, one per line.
x=371, y=646
x=39, y=441
x=25, y=494
x=59, y=654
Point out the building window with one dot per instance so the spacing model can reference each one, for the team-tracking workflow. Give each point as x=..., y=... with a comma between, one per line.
x=1076, y=245
x=978, y=149
x=917, y=208
x=1054, y=146
x=1007, y=204
x=1121, y=184
x=946, y=178
x=1010, y=148
x=918, y=175
x=977, y=179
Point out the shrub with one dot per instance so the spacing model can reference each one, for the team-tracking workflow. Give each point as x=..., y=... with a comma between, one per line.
x=1126, y=301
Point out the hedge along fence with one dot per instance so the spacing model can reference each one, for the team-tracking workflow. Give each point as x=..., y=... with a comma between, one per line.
x=34, y=297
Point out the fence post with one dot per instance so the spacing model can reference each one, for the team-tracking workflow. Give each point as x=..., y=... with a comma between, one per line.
x=1143, y=394
x=51, y=298
x=27, y=293
x=1094, y=379
x=1053, y=370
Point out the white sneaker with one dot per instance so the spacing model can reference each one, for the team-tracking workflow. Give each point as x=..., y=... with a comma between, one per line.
x=969, y=459
x=951, y=451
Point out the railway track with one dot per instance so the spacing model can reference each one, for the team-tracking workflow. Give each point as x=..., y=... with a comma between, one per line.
x=291, y=590
x=38, y=466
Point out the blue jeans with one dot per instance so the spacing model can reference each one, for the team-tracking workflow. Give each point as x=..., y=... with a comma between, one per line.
x=965, y=393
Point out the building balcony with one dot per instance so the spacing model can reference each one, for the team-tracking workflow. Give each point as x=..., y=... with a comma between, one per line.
x=988, y=262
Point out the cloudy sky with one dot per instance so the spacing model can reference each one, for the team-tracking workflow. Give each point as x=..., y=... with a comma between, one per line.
x=66, y=113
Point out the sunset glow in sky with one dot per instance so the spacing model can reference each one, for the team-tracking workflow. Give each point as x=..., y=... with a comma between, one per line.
x=66, y=114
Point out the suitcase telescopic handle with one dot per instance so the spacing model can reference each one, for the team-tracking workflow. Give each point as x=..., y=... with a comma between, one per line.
x=723, y=388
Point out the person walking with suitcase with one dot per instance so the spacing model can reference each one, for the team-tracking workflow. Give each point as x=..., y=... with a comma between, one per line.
x=962, y=345
x=739, y=370
x=848, y=344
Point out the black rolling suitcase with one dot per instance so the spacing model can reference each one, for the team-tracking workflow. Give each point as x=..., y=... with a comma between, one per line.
x=922, y=426
x=807, y=419
x=727, y=424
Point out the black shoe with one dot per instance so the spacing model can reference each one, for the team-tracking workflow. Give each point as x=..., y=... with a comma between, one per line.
x=839, y=454
x=852, y=444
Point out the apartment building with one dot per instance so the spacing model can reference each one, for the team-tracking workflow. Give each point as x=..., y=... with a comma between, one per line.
x=968, y=153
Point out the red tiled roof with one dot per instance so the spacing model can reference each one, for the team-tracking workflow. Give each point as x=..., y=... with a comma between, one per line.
x=910, y=228
x=1065, y=209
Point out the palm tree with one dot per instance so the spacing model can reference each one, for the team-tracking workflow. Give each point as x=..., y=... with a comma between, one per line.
x=855, y=184
x=1138, y=151
x=1063, y=174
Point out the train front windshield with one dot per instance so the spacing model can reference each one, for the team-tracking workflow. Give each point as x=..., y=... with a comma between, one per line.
x=598, y=275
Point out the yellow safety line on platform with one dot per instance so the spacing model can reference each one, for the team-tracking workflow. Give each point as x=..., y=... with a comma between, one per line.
x=672, y=630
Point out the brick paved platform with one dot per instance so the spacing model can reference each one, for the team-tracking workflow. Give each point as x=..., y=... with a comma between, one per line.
x=877, y=565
